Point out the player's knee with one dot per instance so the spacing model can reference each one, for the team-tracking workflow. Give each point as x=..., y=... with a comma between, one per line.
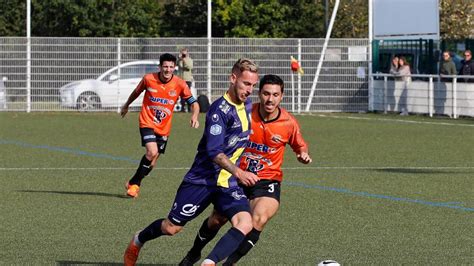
x=259, y=221
x=244, y=225
x=151, y=154
x=170, y=229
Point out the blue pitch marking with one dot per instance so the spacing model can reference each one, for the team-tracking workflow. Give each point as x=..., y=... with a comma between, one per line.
x=452, y=205
x=69, y=150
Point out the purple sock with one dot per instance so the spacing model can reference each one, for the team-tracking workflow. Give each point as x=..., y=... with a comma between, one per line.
x=226, y=245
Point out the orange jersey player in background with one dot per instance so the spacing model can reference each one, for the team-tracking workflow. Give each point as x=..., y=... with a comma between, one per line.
x=272, y=128
x=162, y=91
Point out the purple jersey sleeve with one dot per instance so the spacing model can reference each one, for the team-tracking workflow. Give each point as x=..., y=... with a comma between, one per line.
x=215, y=132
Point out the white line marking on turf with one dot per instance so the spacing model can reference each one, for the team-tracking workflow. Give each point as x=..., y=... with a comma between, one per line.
x=284, y=168
x=391, y=120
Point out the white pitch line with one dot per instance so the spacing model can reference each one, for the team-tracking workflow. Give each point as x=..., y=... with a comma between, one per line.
x=284, y=168
x=391, y=120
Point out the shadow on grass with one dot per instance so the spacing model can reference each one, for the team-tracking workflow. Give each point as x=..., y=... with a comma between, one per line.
x=420, y=171
x=70, y=263
x=101, y=194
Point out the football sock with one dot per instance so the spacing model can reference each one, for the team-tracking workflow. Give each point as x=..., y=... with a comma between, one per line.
x=249, y=242
x=204, y=236
x=226, y=245
x=151, y=232
x=143, y=170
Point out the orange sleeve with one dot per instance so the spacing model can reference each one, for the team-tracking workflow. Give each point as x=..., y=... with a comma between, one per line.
x=185, y=91
x=141, y=86
x=296, y=140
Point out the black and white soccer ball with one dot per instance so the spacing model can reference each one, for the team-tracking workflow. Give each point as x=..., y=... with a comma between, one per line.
x=329, y=263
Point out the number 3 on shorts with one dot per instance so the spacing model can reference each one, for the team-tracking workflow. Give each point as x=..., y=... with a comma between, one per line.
x=271, y=188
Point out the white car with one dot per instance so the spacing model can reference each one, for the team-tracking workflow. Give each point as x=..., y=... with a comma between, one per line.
x=111, y=89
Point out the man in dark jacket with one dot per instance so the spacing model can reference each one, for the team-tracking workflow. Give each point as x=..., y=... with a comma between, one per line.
x=467, y=66
x=447, y=67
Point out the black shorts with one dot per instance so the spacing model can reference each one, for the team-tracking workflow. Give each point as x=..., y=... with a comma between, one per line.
x=264, y=188
x=149, y=135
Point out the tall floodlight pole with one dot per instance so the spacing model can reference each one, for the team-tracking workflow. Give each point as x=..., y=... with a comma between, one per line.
x=28, y=56
x=321, y=58
x=209, y=48
x=369, y=72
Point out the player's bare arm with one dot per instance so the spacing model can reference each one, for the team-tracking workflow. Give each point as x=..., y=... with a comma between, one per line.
x=131, y=98
x=246, y=178
x=195, y=115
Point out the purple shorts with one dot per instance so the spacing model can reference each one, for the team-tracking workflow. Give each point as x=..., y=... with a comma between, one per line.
x=191, y=200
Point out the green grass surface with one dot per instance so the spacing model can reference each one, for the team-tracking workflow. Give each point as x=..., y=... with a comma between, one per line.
x=382, y=190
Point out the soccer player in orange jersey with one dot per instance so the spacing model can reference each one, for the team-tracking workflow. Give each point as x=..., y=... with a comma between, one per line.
x=162, y=91
x=272, y=128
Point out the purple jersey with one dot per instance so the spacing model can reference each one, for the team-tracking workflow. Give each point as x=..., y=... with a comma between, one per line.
x=227, y=131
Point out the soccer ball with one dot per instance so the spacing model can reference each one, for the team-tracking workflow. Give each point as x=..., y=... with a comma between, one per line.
x=329, y=263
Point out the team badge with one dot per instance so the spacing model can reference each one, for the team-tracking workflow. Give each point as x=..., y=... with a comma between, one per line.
x=215, y=118
x=172, y=93
x=276, y=138
x=216, y=130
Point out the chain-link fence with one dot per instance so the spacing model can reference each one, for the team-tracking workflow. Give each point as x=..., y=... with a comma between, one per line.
x=62, y=74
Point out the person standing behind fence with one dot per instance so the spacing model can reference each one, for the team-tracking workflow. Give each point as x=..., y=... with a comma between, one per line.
x=467, y=66
x=405, y=75
x=447, y=67
x=404, y=69
x=394, y=66
x=185, y=67
x=162, y=90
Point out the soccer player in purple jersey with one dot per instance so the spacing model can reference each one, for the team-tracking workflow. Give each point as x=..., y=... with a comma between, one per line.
x=214, y=174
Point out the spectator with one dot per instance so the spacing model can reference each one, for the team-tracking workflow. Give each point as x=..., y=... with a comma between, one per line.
x=467, y=66
x=185, y=66
x=404, y=73
x=394, y=66
x=447, y=66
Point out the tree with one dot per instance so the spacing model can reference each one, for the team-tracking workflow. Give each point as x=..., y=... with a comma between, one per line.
x=456, y=19
x=185, y=18
x=13, y=18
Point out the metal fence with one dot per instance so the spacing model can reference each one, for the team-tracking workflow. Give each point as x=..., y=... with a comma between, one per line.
x=32, y=81
x=427, y=94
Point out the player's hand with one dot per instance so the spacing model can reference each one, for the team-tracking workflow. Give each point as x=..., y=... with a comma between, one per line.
x=246, y=178
x=194, y=122
x=123, y=111
x=304, y=158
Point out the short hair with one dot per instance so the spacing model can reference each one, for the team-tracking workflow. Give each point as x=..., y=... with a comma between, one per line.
x=271, y=79
x=167, y=57
x=244, y=64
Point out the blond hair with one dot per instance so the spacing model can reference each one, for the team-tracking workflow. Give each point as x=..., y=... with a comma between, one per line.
x=244, y=64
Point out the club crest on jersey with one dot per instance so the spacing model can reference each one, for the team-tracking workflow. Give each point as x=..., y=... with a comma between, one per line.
x=276, y=138
x=215, y=118
x=216, y=130
x=224, y=107
x=172, y=93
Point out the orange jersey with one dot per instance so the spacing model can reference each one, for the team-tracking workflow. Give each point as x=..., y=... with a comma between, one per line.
x=266, y=148
x=159, y=101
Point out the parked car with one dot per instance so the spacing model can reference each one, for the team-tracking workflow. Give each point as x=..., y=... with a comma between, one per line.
x=104, y=91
